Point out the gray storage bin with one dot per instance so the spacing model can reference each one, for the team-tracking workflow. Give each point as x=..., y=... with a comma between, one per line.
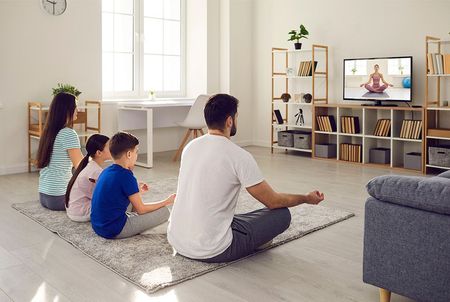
x=439, y=156
x=302, y=140
x=325, y=150
x=380, y=155
x=285, y=139
x=413, y=160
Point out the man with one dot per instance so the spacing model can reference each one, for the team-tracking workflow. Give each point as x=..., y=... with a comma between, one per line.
x=203, y=224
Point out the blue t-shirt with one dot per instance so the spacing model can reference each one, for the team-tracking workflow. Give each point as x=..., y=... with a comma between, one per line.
x=110, y=200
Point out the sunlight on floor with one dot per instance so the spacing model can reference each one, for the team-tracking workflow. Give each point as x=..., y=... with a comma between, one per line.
x=156, y=276
x=41, y=294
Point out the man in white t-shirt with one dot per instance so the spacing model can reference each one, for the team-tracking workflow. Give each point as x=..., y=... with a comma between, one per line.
x=203, y=224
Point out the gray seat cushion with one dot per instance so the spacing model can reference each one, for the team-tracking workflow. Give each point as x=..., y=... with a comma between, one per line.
x=429, y=194
x=446, y=174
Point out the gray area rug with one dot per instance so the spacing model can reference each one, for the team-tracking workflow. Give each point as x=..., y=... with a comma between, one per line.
x=375, y=95
x=147, y=260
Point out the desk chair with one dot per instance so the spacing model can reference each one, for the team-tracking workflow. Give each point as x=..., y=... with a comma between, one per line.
x=194, y=122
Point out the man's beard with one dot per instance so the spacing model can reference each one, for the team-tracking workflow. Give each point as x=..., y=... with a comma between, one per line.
x=233, y=129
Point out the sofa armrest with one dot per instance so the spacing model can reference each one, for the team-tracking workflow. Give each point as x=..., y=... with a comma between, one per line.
x=429, y=194
x=446, y=174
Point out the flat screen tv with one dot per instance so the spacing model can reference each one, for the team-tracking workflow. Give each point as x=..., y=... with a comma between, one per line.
x=379, y=80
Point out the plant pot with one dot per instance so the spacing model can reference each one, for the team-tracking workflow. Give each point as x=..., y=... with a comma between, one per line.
x=298, y=45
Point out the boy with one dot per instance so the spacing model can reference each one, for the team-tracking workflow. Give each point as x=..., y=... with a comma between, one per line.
x=116, y=187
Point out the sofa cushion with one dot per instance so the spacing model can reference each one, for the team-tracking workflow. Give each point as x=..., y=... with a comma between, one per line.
x=446, y=174
x=429, y=194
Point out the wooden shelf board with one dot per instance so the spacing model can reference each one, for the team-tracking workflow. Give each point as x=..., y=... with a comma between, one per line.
x=407, y=140
x=439, y=75
x=283, y=76
x=324, y=132
x=350, y=106
x=298, y=50
x=292, y=103
x=447, y=108
x=438, y=167
x=437, y=137
x=290, y=126
x=291, y=149
x=378, y=137
x=350, y=134
x=439, y=41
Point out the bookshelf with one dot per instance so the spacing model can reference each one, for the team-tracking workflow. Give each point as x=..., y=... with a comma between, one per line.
x=437, y=99
x=292, y=74
x=386, y=138
x=85, y=125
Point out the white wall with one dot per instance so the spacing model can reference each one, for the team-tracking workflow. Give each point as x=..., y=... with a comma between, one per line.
x=37, y=51
x=350, y=29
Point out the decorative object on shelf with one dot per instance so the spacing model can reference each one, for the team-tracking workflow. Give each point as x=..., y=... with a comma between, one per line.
x=300, y=121
x=406, y=82
x=278, y=117
x=307, y=98
x=350, y=124
x=351, y=152
x=298, y=97
x=151, y=95
x=66, y=88
x=285, y=97
x=380, y=156
x=413, y=161
x=54, y=7
x=325, y=150
x=296, y=35
x=326, y=123
x=445, y=103
x=290, y=72
x=439, y=156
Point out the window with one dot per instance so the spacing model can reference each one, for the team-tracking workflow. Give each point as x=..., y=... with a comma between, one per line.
x=400, y=66
x=356, y=67
x=142, y=48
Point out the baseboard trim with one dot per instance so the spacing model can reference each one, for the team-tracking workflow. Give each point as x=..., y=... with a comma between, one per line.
x=14, y=169
x=261, y=143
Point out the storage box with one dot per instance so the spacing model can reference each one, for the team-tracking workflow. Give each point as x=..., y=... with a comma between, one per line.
x=302, y=140
x=285, y=139
x=439, y=156
x=413, y=160
x=325, y=150
x=380, y=155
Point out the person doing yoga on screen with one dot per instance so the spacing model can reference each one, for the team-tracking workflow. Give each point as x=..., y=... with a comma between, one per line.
x=375, y=79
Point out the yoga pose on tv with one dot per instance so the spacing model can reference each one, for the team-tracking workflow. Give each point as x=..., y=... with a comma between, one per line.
x=375, y=79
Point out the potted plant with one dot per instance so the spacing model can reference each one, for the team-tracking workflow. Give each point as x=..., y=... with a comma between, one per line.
x=66, y=88
x=354, y=70
x=400, y=68
x=296, y=35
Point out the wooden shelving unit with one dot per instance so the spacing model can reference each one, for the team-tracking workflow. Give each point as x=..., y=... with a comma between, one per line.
x=282, y=82
x=368, y=117
x=37, y=114
x=437, y=113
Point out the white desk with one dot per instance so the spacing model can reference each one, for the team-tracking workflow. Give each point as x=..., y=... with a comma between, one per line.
x=162, y=113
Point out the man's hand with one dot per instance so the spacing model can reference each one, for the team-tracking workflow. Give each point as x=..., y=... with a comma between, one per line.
x=314, y=197
x=143, y=187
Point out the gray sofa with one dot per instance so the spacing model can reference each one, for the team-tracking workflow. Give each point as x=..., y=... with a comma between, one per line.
x=407, y=237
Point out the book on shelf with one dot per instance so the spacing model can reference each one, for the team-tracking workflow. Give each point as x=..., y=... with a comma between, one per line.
x=411, y=129
x=350, y=152
x=326, y=123
x=350, y=124
x=438, y=63
x=382, y=128
x=305, y=68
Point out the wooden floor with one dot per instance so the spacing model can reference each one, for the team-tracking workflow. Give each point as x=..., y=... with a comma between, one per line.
x=36, y=265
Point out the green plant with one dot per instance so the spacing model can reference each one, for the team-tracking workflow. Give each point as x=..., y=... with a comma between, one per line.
x=296, y=35
x=354, y=70
x=66, y=88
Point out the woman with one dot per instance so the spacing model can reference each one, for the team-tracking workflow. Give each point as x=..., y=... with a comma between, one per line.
x=375, y=78
x=59, y=151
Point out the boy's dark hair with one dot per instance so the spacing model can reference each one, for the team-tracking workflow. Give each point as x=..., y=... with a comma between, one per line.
x=122, y=142
x=218, y=108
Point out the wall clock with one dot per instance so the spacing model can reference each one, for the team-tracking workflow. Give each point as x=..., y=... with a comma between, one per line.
x=54, y=7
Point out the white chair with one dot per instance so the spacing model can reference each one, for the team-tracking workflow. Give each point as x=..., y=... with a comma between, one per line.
x=194, y=122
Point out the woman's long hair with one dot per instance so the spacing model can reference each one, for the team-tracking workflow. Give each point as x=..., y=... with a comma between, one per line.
x=59, y=116
x=96, y=142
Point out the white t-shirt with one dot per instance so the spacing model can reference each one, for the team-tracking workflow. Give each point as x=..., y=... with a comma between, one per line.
x=213, y=170
x=82, y=190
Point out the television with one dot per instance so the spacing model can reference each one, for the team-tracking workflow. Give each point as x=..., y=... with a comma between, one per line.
x=384, y=79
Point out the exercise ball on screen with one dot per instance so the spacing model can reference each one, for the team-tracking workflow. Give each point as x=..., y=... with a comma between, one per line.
x=406, y=82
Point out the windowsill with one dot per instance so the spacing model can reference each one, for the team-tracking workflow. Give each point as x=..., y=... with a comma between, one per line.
x=121, y=100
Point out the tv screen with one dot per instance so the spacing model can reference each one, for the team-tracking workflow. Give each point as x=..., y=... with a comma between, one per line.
x=378, y=79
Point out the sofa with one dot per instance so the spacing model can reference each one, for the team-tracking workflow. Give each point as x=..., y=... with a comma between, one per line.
x=407, y=237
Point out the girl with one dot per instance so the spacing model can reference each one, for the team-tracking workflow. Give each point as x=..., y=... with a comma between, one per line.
x=59, y=151
x=81, y=186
